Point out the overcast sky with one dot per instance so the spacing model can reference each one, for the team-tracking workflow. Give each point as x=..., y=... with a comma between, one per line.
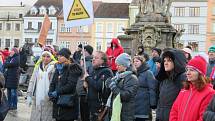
x=16, y=2
x=31, y=2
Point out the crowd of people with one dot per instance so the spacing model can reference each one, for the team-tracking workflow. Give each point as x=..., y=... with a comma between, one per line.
x=93, y=85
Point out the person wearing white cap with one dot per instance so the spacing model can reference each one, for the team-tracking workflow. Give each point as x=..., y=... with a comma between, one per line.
x=187, y=52
x=39, y=86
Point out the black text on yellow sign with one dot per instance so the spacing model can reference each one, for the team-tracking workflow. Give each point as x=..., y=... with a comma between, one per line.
x=77, y=11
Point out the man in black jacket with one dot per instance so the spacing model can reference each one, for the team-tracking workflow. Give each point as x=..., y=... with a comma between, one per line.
x=95, y=84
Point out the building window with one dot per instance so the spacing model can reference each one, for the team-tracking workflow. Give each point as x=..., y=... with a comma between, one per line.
x=28, y=40
x=7, y=42
x=82, y=29
x=1, y=26
x=213, y=11
x=179, y=26
x=20, y=15
x=213, y=29
x=179, y=11
x=120, y=27
x=82, y=42
x=16, y=42
x=64, y=29
x=194, y=11
x=8, y=26
x=109, y=28
x=193, y=29
x=29, y=25
x=39, y=25
x=50, y=28
x=98, y=45
x=17, y=27
x=99, y=27
x=42, y=11
x=49, y=41
x=194, y=45
x=65, y=44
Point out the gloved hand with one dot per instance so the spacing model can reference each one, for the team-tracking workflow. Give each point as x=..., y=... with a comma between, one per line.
x=29, y=100
x=112, y=85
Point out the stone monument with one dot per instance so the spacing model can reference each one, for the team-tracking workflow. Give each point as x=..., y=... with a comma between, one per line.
x=152, y=27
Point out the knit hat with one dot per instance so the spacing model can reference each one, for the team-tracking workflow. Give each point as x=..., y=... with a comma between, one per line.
x=212, y=49
x=187, y=50
x=89, y=49
x=198, y=63
x=15, y=50
x=65, y=52
x=158, y=50
x=124, y=59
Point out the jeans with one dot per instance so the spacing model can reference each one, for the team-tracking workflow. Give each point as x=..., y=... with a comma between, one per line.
x=12, y=98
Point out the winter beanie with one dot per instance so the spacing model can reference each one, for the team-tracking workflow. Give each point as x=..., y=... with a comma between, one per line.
x=158, y=50
x=89, y=49
x=124, y=59
x=199, y=64
x=187, y=50
x=65, y=52
x=212, y=49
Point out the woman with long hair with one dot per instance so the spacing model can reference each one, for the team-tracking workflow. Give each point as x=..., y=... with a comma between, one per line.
x=63, y=86
x=145, y=99
x=196, y=95
x=39, y=86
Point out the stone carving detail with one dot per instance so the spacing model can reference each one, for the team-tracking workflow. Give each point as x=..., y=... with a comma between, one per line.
x=177, y=36
x=149, y=36
x=154, y=6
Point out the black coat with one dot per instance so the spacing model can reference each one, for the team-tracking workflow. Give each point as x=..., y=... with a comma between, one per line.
x=97, y=93
x=11, y=71
x=170, y=84
x=209, y=114
x=65, y=83
x=146, y=93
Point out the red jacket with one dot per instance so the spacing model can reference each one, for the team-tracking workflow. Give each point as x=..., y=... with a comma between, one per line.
x=113, y=54
x=191, y=104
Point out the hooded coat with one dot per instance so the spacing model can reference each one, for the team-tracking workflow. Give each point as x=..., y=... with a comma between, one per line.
x=112, y=54
x=146, y=93
x=65, y=83
x=191, y=104
x=170, y=84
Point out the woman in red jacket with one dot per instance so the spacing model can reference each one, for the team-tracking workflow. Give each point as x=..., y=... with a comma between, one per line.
x=196, y=95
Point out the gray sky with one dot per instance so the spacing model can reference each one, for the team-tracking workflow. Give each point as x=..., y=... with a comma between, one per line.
x=16, y=2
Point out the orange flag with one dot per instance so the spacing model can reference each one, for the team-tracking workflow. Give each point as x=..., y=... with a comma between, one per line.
x=44, y=31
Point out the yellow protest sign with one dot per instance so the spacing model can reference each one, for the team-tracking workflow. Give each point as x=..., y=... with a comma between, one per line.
x=77, y=11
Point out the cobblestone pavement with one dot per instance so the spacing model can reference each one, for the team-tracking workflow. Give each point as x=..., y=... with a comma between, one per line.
x=22, y=113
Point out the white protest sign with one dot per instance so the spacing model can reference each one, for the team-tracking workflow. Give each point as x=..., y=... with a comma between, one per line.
x=77, y=12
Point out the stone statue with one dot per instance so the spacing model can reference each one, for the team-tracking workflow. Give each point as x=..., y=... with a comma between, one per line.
x=178, y=35
x=154, y=6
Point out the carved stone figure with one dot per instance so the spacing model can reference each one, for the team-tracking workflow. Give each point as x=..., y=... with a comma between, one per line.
x=150, y=36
